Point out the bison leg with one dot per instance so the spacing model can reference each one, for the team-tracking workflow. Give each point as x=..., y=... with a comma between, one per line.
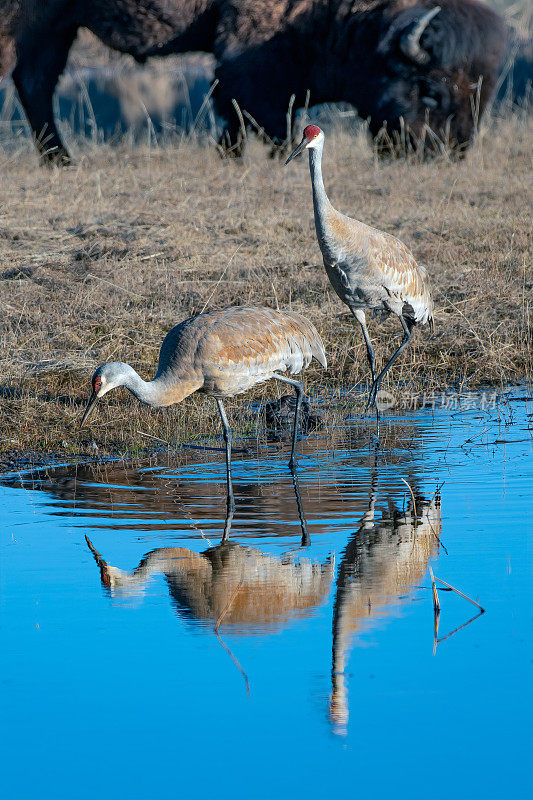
x=265, y=96
x=40, y=61
x=233, y=138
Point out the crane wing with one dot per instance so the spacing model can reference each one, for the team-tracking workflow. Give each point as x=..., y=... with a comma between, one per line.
x=260, y=340
x=228, y=351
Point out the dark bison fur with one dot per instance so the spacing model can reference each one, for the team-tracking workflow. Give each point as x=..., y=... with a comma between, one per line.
x=36, y=36
x=401, y=69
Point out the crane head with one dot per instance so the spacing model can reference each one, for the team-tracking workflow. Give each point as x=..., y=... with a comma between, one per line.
x=96, y=389
x=313, y=136
x=106, y=377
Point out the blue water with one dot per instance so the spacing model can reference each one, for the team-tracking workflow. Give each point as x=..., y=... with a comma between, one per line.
x=129, y=678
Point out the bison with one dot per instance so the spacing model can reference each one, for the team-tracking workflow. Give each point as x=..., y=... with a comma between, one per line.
x=404, y=64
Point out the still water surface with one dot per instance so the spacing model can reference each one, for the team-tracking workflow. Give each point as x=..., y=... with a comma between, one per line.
x=296, y=658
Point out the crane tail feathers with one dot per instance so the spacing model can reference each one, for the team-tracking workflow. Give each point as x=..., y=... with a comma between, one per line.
x=311, y=337
x=320, y=356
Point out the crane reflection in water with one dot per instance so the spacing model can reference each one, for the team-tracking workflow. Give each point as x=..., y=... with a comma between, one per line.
x=384, y=560
x=238, y=588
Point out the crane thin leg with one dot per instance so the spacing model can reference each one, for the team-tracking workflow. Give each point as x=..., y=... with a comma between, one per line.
x=407, y=326
x=227, y=439
x=299, y=389
x=359, y=315
x=227, y=525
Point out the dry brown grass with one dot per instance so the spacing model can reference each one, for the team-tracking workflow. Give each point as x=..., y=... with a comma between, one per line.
x=99, y=261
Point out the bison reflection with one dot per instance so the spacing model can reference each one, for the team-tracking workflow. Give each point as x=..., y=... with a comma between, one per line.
x=384, y=560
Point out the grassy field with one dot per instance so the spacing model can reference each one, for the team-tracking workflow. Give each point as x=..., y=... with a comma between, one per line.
x=99, y=261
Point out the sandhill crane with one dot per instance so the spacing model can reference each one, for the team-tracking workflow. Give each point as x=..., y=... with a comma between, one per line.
x=368, y=269
x=221, y=353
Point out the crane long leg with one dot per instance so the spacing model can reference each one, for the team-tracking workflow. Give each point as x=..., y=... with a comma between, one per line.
x=359, y=315
x=299, y=389
x=227, y=439
x=407, y=326
x=227, y=525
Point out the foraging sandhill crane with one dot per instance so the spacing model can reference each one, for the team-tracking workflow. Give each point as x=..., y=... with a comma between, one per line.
x=221, y=353
x=368, y=269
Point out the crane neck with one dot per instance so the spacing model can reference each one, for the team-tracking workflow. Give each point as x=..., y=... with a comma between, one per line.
x=148, y=392
x=168, y=387
x=321, y=202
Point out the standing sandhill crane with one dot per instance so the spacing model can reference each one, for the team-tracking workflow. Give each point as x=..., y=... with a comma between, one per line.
x=221, y=353
x=369, y=269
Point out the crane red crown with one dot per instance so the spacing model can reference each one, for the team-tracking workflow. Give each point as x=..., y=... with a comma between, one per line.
x=311, y=132
x=97, y=383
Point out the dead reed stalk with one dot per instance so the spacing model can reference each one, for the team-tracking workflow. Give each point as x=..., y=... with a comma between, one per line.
x=466, y=597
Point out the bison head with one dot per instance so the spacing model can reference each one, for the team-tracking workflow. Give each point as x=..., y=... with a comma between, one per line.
x=435, y=67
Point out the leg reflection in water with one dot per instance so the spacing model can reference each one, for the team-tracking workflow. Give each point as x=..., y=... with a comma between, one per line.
x=306, y=539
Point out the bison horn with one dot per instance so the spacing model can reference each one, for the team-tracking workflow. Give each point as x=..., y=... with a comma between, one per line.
x=410, y=42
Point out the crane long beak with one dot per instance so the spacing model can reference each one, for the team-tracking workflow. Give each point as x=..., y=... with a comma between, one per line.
x=297, y=150
x=92, y=400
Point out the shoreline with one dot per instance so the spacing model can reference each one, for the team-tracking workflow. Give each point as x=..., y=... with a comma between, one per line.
x=489, y=398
